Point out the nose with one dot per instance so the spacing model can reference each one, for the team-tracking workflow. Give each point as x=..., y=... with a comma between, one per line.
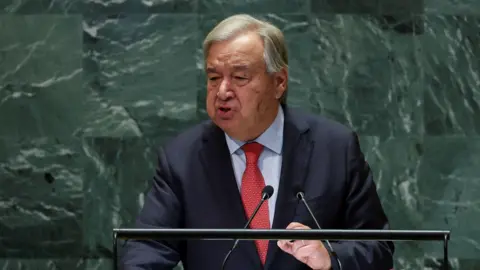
x=224, y=90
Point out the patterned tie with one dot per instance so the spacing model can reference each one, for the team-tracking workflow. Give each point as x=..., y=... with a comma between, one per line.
x=251, y=192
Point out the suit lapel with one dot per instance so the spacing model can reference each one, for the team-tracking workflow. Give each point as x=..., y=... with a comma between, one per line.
x=216, y=161
x=296, y=155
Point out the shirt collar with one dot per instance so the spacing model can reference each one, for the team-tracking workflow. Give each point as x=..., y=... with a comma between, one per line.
x=272, y=138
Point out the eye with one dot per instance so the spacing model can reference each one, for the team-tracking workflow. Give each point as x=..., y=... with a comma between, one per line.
x=240, y=78
x=213, y=78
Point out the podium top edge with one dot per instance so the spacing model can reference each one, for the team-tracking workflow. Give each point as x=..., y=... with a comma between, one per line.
x=387, y=235
x=327, y=231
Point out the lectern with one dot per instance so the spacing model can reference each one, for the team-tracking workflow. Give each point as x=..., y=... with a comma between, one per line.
x=276, y=234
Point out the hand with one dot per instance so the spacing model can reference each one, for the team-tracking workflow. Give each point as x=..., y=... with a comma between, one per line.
x=310, y=252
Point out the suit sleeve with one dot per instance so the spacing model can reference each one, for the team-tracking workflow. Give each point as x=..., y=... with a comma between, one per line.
x=363, y=210
x=161, y=209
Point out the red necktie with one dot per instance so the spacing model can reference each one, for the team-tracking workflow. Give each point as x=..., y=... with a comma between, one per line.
x=251, y=192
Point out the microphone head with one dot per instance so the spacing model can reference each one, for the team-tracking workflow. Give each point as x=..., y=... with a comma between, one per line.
x=267, y=192
x=298, y=192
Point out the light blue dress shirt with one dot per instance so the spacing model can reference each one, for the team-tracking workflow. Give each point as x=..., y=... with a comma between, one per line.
x=270, y=160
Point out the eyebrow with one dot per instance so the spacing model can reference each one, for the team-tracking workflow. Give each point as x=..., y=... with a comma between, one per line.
x=240, y=67
x=235, y=68
x=211, y=70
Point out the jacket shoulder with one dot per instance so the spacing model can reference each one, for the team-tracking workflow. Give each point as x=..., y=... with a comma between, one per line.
x=322, y=126
x=187, y=140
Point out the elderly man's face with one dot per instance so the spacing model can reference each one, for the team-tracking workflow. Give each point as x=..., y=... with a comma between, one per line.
x=242, y=97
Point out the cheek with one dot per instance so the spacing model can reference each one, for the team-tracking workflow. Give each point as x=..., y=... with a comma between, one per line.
x=210, y=89
x=210, y=96
x=210, y=99
x=248, y=100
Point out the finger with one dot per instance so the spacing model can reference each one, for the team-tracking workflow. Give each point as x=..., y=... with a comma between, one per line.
x=306, y=253
x=285, y=243
x=294, y=225
x=298, y=244
x=285, y=246
x=314, y=255
x=306, y=242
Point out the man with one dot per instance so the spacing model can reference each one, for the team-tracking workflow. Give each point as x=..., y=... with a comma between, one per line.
x=212, y=175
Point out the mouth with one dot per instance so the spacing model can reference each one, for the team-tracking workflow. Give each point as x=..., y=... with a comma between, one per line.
x=224, y=109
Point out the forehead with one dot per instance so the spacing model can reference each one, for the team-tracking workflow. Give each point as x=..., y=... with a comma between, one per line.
x=243, y=50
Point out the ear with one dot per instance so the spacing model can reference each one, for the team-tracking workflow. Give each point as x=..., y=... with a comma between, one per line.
x=281, y=81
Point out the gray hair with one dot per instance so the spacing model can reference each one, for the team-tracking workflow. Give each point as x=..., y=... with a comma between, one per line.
x=275, y=50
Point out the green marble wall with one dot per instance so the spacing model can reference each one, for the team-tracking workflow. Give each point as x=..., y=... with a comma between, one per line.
x=89, y=89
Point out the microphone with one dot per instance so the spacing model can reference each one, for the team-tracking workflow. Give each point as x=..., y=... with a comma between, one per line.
x=267, y=193
x=301, y=197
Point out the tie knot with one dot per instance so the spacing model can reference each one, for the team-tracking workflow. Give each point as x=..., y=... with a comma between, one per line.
x=252, y=151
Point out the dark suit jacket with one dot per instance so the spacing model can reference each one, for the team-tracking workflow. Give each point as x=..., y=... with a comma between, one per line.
x=194, y=187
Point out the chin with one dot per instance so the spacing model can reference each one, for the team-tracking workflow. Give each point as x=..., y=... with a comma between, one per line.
x=222, y=123
x=227, y=126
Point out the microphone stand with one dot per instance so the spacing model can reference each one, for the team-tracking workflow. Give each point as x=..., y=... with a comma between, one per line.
x=301, y=196
x=265, y=196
